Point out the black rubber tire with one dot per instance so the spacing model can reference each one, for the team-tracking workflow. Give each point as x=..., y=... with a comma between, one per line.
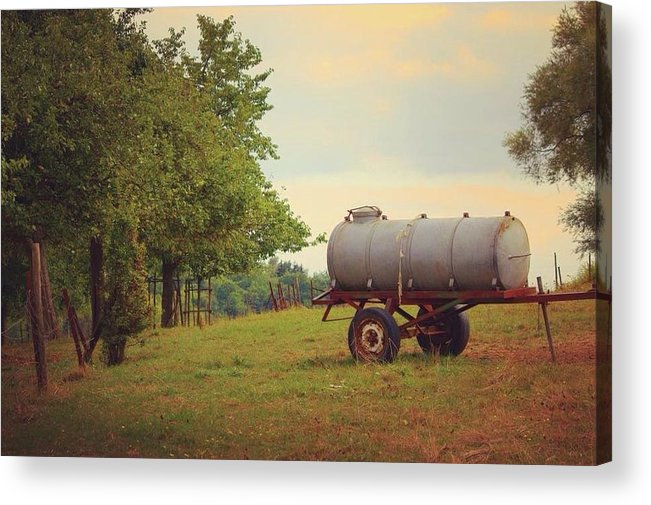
x=373, y=336
x=452, y=342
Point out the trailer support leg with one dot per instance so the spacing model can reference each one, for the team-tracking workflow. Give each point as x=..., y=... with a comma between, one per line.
x=543, y=305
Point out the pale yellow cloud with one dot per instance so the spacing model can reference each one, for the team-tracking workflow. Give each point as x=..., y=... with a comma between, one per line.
x=516, y=20
x=332, y=69
x=414, y=69
x=470, y=65
x=363, y=40
x=379, y=21
x=465, y=65
x=343, y=69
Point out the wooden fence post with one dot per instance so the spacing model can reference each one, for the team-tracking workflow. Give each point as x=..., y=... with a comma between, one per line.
x=209, y=302
x=543, y=306
x=154, y=309
x=273, y=298
x=199, y=321
x=289, y=296
x=299, y=298
x=281, y=298
x=36, y=310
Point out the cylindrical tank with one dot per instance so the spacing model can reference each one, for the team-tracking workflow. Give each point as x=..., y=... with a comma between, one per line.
x=366, y=251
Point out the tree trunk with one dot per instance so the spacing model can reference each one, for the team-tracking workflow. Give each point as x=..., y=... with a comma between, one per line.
x=96, y=292
x=49, y=313
x=167, y=297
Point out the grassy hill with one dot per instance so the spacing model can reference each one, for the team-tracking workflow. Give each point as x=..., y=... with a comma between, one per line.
x=282, y=386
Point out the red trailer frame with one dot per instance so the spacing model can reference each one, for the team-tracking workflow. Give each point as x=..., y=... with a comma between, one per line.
x=374, y=335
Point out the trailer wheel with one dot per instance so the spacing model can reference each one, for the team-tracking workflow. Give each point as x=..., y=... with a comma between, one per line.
x=455, y=332
x=373, y=336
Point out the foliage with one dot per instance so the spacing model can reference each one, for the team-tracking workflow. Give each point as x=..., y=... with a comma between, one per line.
x=68, y=121
x=221, y=215
x=238, y=99
x=583, y=218
x=230, y=298
x=288, y=267
x=70, y=112
x=243, y=293
x=566, y=132
x=125, y=312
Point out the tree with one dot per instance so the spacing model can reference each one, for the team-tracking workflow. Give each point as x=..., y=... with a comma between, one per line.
x=70, y=112
x=65, y=114
x=566, y=132
x=227, y=216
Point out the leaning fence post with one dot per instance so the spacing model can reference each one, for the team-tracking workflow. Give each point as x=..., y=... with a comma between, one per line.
x=273, y=298
x=543, y=305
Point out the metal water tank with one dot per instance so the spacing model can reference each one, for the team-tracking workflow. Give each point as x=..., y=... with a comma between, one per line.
x=367, y=251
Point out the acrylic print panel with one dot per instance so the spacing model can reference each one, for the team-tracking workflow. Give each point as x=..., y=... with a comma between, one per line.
x=372, y=233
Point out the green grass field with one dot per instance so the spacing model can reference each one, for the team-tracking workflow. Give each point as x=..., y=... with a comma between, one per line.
x=283, y=386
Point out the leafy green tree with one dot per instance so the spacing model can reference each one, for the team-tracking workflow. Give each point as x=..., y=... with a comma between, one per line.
x=288, y=267
x=70, y=113
x=566, y=132
x=67, y=110
x=229, y=298
x=110, y=143
x=321, y=280
x=238, y=98
x=228, y=216
x=67, y=120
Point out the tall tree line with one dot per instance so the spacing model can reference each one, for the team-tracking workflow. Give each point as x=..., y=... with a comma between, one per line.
x=123, y=154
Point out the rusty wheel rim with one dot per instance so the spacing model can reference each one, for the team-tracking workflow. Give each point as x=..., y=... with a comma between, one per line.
x=370, y=339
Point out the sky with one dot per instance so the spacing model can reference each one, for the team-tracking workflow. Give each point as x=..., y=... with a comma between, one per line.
x=401, y=106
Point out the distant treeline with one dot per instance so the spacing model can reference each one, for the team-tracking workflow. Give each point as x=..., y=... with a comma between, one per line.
x=241, y=294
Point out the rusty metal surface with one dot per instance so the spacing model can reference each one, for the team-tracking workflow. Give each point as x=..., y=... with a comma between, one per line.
x=440, y=298
x=429, y=297
x=369, y=253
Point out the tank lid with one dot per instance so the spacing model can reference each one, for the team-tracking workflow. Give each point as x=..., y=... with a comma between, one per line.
x=365, y=212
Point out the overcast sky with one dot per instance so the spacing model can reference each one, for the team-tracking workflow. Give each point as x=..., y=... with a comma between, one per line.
x=400, y=106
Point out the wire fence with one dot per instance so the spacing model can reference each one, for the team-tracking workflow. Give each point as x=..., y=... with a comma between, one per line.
x=19, y=331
